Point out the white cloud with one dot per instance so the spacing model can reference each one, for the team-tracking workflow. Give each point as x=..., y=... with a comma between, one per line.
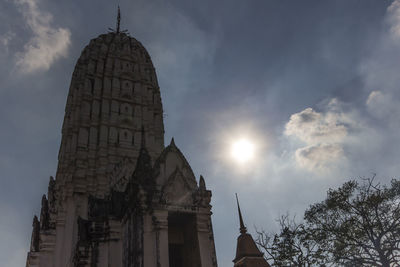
x=5, y=40
x=385, y=107
x=379, y=104
x=337, y=135
x=323, y=135
x=47, y=43
x=393, y=16
x=380, y=72
x=314, y=127
x=381, y=68
x=317, y=157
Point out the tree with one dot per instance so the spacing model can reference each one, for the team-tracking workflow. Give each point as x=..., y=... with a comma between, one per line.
x=291, y=247
x=358, y=224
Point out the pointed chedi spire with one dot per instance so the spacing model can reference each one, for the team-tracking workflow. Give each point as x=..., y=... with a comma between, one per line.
x=142, y=175
x=143, y=165
x=247, y=252
x=243, y=229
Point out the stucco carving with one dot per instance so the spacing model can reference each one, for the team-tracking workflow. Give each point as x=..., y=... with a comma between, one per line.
x=177, y=191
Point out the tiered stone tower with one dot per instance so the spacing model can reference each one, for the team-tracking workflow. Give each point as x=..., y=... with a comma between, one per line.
x=120, y=198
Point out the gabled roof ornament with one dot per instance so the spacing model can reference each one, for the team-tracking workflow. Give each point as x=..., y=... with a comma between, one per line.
x=172, y=142
x=202, y=183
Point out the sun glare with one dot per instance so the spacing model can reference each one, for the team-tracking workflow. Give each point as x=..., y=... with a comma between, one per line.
x=242, y=150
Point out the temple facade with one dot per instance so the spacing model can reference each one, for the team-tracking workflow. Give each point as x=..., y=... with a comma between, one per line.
x=120, y=197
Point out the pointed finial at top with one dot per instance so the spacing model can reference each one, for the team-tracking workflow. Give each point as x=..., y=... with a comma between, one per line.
x=35, y=220
x=172, y=142
x=118, y=20
x=202, y=183
x=118, y=26
x=243, y=229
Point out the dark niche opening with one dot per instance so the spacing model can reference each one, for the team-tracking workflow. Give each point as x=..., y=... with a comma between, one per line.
x=183, y=244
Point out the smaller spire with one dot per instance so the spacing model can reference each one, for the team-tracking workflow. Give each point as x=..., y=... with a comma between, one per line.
x=243, y=229
x=44, y=213
x=35, y=240
x=118, y=20
x=202, y=183
x=247, y=252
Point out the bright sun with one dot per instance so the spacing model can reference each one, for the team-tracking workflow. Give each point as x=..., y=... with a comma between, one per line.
x=242, y=150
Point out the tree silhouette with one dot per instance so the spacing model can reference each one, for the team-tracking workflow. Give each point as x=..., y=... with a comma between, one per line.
x=357, y=224
x=291, y=247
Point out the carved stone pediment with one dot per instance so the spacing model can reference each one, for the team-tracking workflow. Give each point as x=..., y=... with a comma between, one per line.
x=167, y=163
x=177, y=191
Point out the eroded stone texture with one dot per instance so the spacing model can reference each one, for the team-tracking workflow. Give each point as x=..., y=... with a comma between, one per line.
x=113, y=95
x=120, y=198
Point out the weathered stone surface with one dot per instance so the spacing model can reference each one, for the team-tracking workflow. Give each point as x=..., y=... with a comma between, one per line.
x=100, y=119
x=118, y=191
x=35, y=240
x=44, y=214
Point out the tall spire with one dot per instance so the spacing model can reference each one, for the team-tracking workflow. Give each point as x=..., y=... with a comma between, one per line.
x=118, y=20
x=247, y=252
x=243, y=229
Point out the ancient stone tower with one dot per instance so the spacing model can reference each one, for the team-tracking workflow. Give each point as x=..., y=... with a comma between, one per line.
x=120, y=197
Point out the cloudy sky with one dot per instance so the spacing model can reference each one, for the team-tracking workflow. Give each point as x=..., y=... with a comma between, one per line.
x=314, y=85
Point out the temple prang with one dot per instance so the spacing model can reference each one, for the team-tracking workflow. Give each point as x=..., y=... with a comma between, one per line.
x=120, y=197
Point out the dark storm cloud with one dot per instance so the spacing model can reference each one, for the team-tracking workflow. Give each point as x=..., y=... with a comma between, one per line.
x=222, y=65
